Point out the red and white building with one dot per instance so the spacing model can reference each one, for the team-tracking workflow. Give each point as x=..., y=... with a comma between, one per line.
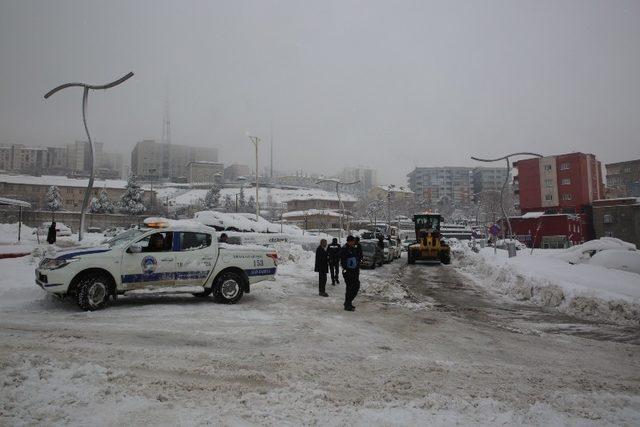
x=542, y=230
x=564, y=184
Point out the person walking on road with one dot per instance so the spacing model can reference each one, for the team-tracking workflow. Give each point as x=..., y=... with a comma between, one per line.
x=350, y=271
x=322, y=267
x=334, y=261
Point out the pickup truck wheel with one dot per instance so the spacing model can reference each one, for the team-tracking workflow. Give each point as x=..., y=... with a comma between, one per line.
x=93, y=293
x=228, y=288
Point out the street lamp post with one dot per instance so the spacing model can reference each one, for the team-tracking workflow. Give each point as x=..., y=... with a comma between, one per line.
x=338, y=184
x=506, y=181
x=85, y=98
x=255, y=141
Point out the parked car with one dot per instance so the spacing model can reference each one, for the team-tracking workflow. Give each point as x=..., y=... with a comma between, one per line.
x=113, y=231
x=388, y=252
x=94, y=230
x=396, y=249
x=61, y=229
x=371, y=254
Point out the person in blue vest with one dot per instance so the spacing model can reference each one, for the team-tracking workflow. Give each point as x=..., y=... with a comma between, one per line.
x=350, y=263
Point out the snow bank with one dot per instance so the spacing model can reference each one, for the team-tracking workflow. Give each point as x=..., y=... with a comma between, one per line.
x=618, y=259
x=581, y=253
x=586, y=291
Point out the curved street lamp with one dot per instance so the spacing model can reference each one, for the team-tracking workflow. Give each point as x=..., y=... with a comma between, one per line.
x=338, y=184
x=506, y=181
x=85, y=97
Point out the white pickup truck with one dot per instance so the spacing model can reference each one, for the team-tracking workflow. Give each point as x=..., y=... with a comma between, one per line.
x=164, y=257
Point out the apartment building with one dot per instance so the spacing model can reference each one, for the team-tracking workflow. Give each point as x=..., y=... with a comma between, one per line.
x=624, y=178
x=433, y=183
x=154, y=161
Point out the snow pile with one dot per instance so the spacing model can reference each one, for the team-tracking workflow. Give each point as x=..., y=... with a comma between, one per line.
x=583, y=290
x=292, y=252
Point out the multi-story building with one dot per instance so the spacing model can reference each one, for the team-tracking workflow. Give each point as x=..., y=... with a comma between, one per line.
x=234, y=171
x=6, y=157
x=489, y=179
x=57, y=160
x=618, y=218
x=205, y=172
x=367, y=177
x=153, y=161
x=431, y=184
x=567, y=183
x=624, y=178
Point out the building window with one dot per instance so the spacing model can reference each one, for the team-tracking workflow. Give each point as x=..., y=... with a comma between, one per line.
x=567, y=197
x=548, y=197
x=566, y=181
x=607, y=219
x=548, y=183
x=565, y=166
x=608, y=233
x=547, y=168
x=627, y=169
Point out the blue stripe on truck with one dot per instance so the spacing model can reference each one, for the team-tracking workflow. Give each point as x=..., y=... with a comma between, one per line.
x=260, y=271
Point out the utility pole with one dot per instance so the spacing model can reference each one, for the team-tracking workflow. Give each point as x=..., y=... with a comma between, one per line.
x=255, y=141
x=85, y=99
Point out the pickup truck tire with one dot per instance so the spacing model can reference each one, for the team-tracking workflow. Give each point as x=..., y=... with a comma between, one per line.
x=228, y=288
x=93, y=292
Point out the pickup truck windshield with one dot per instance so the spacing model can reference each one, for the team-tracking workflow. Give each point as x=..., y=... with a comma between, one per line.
x=125, y=237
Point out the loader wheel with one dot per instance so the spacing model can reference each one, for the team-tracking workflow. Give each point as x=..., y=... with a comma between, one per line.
x=445, y=258
x=93, y=293
x=228, y=288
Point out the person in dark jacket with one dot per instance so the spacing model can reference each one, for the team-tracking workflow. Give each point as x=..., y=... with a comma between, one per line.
x=322, y=267
x=358, y=247
x=51, y=234
x=334, y=261
x=350, y=271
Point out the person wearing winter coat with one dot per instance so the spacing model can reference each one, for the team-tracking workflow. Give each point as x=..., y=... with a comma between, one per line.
x=51, y=234
x=350, y=271
x=322, y=267
x=334, y=261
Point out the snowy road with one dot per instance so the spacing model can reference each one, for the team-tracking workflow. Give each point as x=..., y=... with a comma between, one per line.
x=288, y=357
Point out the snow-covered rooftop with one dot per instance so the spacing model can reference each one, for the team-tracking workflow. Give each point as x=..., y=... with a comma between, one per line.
x=395, y=189
x=311, y=212
x=60, y=181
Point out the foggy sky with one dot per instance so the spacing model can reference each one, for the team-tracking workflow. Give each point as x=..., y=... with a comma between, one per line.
x=385, y=84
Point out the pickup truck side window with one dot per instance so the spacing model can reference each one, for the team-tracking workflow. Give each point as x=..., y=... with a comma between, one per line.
x=190, y=241
x=157, y=242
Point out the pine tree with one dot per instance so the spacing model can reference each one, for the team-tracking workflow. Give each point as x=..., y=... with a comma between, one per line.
x=228, y=203
x=54, y=200
x=102, y=204
x=131, y=202
x=241, y=200
x=251, y=204
x=212, y=199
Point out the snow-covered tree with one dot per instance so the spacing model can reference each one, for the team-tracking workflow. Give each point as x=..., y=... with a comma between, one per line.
x=251, y=204
x=102, y=204
x=228, y=203
x=132, y=202
x=54, y=200
x=212, y=199
x=241, y=200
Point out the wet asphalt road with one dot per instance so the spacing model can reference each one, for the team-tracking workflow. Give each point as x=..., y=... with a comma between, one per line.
x=449, y=291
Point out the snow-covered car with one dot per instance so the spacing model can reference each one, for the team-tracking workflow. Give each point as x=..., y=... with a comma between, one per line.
x=395, y=247
x=113, y=231
x=388, y=252
x=61, y=229
x=582, y=253
x=618, y=259
x=177, y=257
x=371, y=254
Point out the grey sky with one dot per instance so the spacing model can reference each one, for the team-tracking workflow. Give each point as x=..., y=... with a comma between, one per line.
x=390, y=84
